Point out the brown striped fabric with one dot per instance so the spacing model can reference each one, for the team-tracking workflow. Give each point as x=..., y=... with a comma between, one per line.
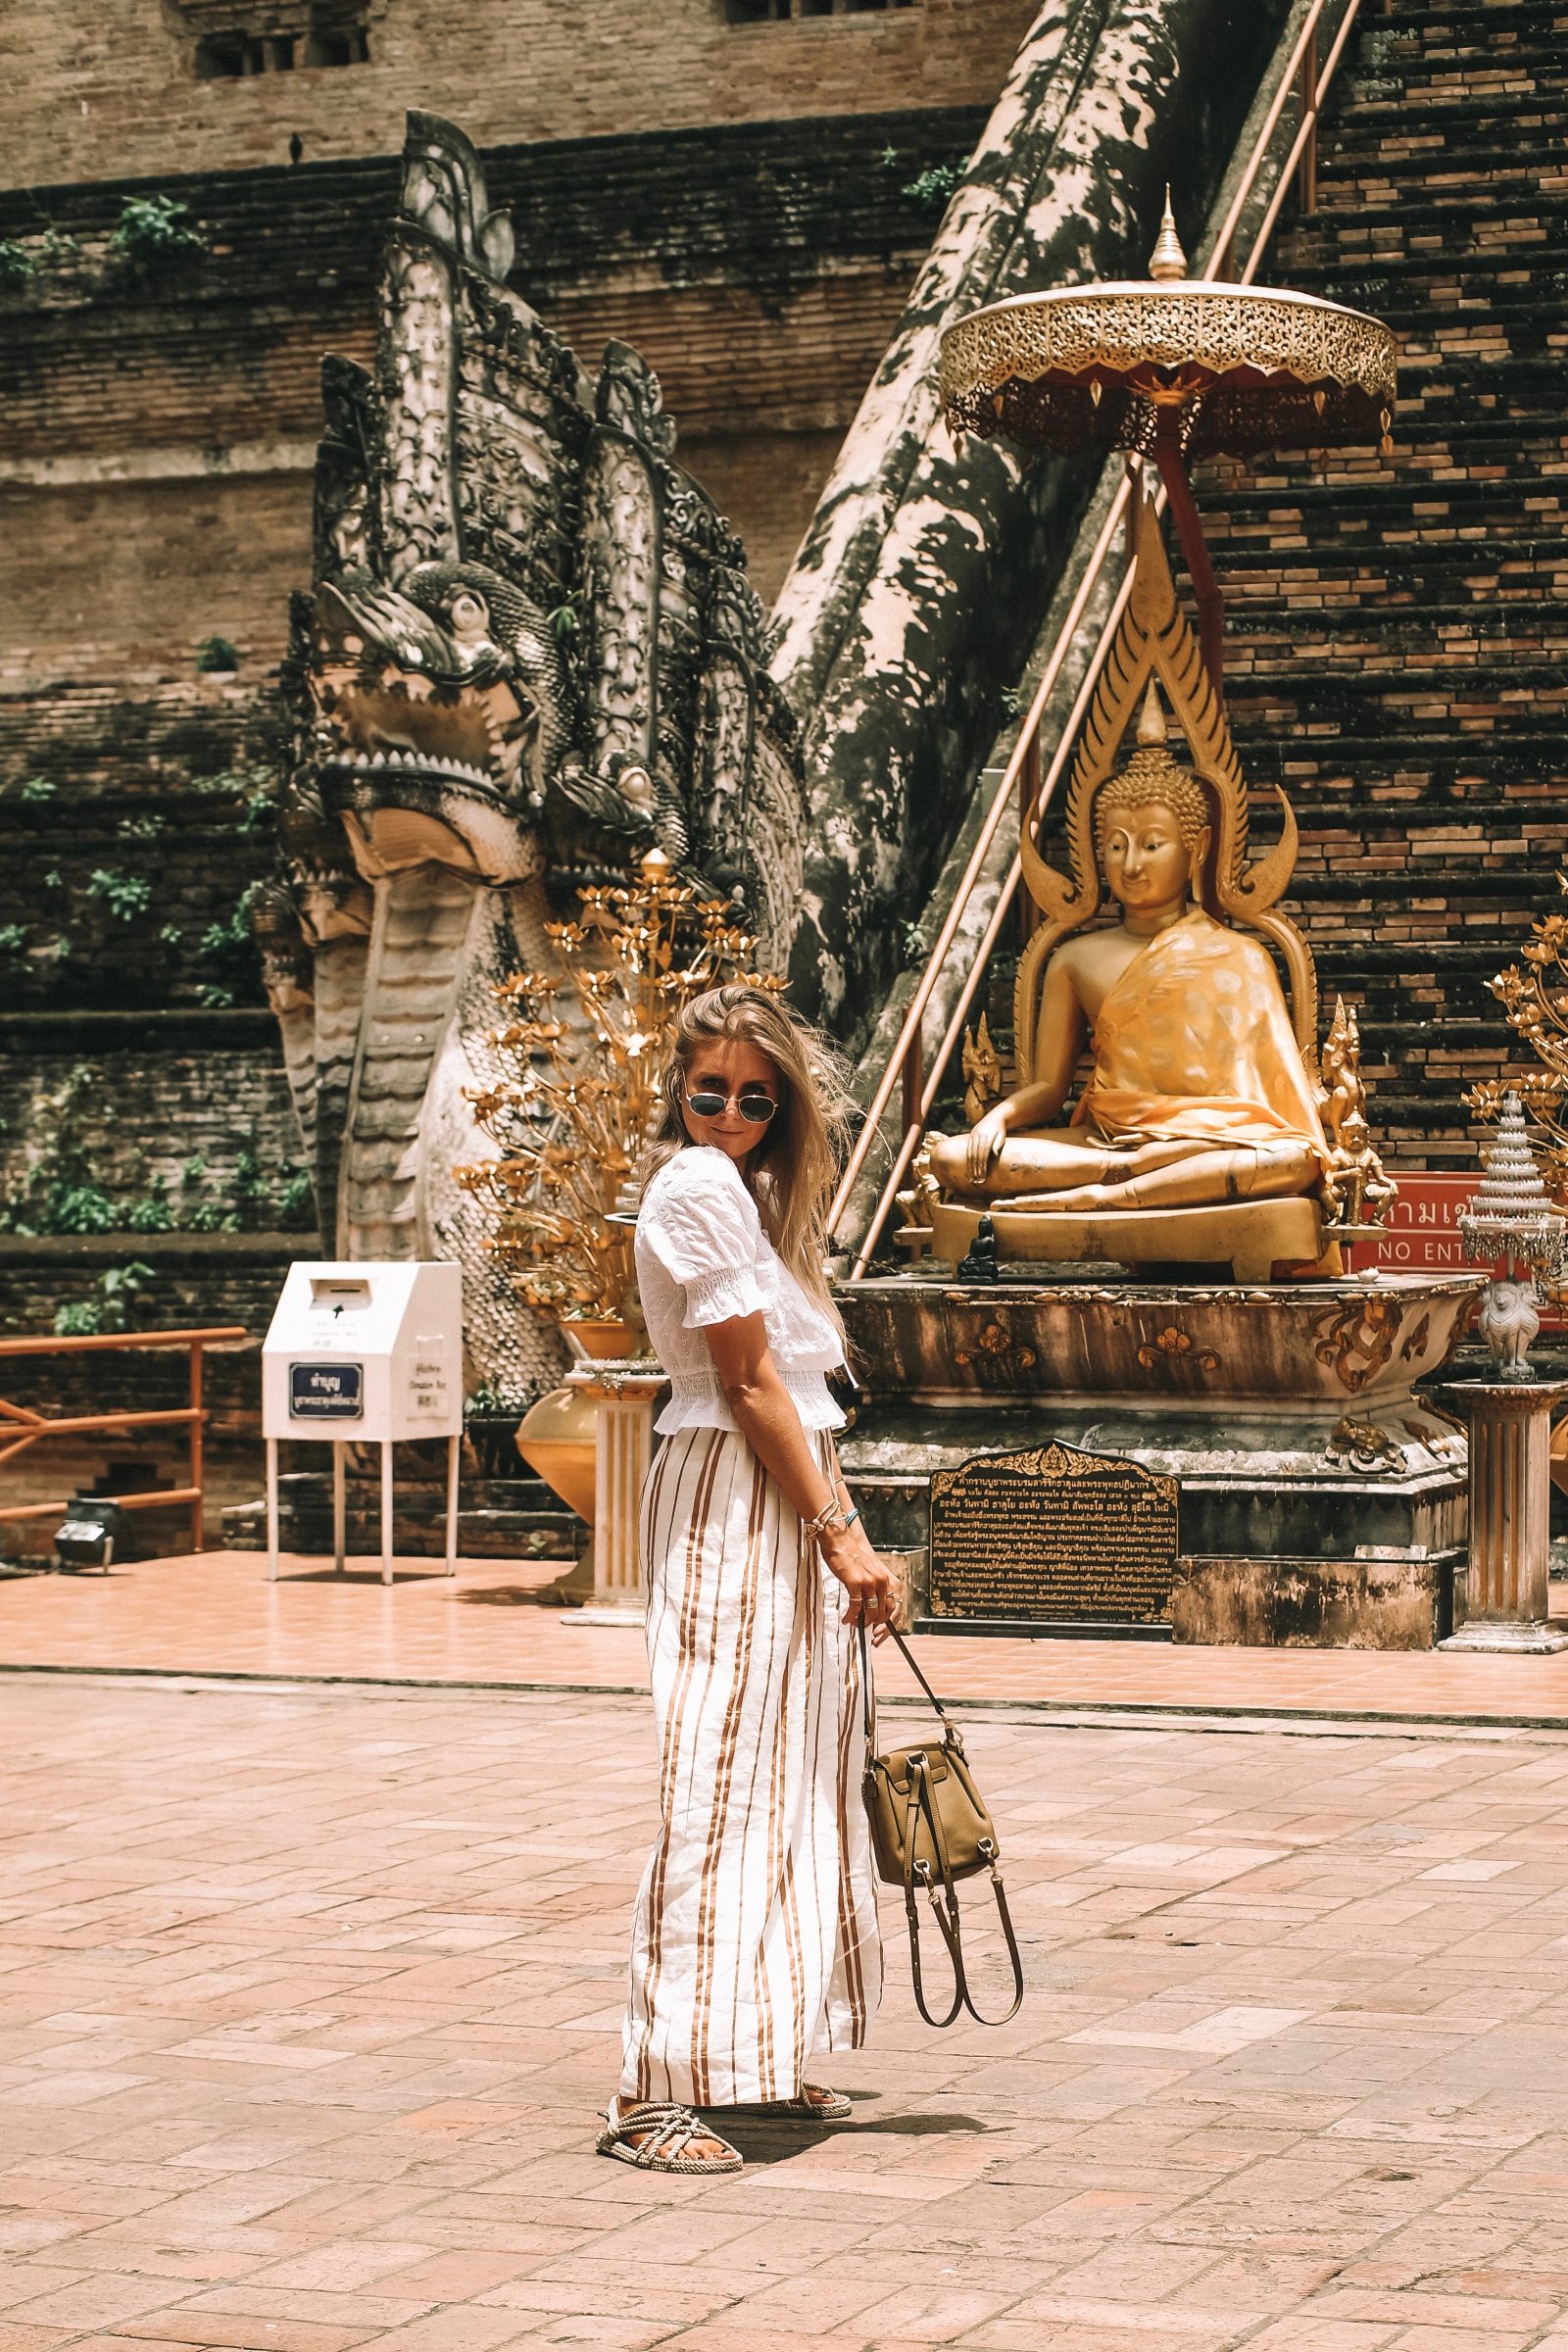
x=755, y=1941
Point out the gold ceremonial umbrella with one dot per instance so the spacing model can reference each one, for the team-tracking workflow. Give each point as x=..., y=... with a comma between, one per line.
x=1175, y=369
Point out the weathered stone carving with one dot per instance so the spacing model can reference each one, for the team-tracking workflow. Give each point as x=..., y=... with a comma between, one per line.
x=923, y=578
x=532, y=654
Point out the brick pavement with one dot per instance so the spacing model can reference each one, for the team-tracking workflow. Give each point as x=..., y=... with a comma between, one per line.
x=217, y=1614
x=306, y=1997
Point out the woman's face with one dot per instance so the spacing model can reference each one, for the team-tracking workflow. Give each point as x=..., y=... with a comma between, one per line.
x=728, y=1066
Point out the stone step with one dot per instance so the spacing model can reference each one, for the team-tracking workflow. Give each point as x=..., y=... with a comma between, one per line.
x=1513, y=225
x=1425, y=627
x=304, y=1525
x=1488, y=58
x=1416, y=561
x=1465, y=117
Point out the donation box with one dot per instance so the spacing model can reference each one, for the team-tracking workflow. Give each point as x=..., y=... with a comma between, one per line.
x=366, y=1350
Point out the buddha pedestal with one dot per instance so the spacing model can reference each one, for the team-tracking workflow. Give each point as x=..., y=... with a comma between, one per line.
x=1321, y=1501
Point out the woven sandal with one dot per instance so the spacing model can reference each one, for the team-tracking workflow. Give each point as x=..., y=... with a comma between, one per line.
x=813, y=2106
x=669, y=2132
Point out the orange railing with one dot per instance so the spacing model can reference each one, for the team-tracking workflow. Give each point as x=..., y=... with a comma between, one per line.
x=21, y=1426
x=1308, y=78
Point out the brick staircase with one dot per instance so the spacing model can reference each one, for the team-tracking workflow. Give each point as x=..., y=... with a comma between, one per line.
x=1399, y=628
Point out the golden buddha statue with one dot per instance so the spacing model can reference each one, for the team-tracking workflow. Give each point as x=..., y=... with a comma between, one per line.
x=1199, y=1091
x=1198, y=1134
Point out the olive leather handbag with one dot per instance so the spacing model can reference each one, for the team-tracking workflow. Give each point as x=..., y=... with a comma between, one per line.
x=930, y=1828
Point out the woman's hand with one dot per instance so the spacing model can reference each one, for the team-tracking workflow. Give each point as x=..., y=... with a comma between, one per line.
x=865, y=1578
x=985, y=1139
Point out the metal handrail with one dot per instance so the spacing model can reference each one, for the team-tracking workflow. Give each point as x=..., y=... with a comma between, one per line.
x=904, y=1062
x=24, y=1427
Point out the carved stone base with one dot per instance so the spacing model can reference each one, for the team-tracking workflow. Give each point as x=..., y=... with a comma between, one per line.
x=1251, y=1237
x=1321, y=1502
x=1521, y=1641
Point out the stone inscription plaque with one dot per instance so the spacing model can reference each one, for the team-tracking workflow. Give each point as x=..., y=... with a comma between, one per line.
x=1053, y=1532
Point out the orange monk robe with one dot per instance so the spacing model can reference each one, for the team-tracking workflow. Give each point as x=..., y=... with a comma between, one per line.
x=1193, y=1040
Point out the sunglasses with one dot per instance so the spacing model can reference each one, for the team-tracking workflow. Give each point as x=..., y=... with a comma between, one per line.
x=757, y=1107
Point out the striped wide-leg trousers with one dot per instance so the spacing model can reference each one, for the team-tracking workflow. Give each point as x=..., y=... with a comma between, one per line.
x=755, y=1939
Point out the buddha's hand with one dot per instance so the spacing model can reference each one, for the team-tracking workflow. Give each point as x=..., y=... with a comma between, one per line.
x=986, y=1140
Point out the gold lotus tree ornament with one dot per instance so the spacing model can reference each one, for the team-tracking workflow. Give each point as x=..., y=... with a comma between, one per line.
x=1535, y=1001
x=1173, y=369
x=576, y=1109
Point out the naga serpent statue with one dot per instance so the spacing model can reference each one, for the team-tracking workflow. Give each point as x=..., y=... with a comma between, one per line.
x=532, y=654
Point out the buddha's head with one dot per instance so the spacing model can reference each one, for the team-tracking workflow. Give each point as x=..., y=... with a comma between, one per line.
x=1151, y=822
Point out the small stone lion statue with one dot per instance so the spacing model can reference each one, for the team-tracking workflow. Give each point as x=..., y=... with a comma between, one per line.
x=1508, y=1322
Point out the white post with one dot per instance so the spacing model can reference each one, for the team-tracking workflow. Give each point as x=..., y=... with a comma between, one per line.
x=453, y=1449
x=271, y=1510
x=339, y=1508
x=386, y=1511
x=625, y=1393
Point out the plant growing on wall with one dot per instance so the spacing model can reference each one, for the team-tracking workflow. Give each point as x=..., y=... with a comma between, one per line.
x=228, y=947
x=572, y=1115
x=23, y=262
x=155, y=234
x=931, y=189
x=217, y=655
x=124, y=895
x=19, y=265
x=118, y=1305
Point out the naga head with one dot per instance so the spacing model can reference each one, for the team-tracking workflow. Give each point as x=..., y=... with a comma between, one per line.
x=531, y=655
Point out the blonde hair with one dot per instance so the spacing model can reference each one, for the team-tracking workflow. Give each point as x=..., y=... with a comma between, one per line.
x=1151, y=777
x=792, y=1170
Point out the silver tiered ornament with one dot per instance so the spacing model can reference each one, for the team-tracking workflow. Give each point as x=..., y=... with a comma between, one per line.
x=1512, y=1218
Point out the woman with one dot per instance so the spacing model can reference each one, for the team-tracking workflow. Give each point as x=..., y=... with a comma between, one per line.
x=754, y=1938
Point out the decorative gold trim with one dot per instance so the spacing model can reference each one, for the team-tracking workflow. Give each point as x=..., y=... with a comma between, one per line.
x=993, y=1343
x=1037, y=367
x=1173, y=1346
x=1356, y=1340
x=1155, y=641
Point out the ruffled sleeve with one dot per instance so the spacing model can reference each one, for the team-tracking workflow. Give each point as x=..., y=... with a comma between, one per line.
x=702, y=1225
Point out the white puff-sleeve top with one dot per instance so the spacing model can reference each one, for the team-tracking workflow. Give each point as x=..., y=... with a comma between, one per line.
x=703, y=1257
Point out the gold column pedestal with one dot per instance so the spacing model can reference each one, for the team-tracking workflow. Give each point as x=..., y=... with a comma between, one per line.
x=1506, y=1595
x=625, y=1393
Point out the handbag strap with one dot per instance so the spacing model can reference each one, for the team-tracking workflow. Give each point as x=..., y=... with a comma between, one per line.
x=944, y=1910
x=919, y=1802
x=869, y=1689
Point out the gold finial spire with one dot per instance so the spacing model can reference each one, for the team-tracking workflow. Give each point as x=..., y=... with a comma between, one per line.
x=1167, y=259
x=1152, y=720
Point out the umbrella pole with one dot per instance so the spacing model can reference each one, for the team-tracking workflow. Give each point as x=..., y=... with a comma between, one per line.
x=1205, y=590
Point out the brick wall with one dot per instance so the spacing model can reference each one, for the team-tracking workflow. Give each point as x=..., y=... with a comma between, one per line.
x=89, y=91
x=139, y=1099
x=154, y=480
x=1398, y=624
x=120, y=581
x=198, y=1281
x=129, y=737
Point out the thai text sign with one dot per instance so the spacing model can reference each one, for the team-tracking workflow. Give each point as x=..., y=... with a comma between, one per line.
x=1053, y=1532
x=327, y=1392
x=1422, y=1235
